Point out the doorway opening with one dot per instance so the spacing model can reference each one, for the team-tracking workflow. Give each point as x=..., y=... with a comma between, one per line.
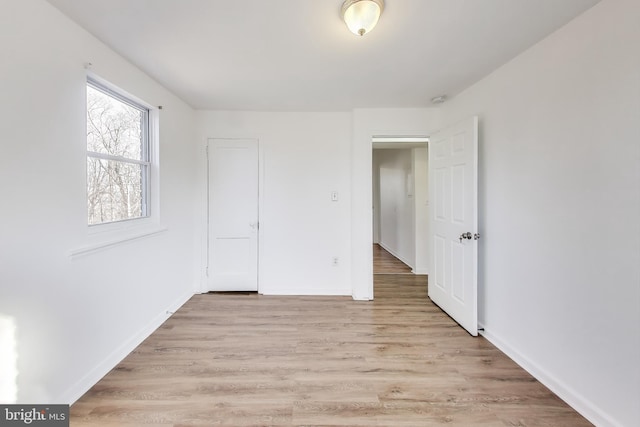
x=400, y=205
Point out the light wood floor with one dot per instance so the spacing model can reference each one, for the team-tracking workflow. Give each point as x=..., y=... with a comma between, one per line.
x=385, y=263
x=251, y=360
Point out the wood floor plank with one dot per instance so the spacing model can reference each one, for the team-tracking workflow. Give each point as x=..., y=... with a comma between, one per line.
x=251, y=360
x=385, y=263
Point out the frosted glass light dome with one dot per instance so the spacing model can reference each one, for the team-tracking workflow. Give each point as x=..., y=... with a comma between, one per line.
x=361, y=15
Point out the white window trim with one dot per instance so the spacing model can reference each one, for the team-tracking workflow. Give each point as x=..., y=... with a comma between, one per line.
x=107, y=235
x=115, y=241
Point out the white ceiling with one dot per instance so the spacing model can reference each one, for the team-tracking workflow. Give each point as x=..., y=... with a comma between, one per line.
x=297, y=55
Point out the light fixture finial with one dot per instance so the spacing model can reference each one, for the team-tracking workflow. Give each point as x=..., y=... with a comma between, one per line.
x=361, y=15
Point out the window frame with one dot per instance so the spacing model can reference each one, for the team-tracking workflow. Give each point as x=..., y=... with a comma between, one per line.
x=147, y=162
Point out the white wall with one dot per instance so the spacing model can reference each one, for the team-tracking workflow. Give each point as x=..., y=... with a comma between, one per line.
x=304, y=157
x=394, y=168
x=375, y=184
x=560, y=210
x=76, y=317
x=420, y=159
x=366, y=124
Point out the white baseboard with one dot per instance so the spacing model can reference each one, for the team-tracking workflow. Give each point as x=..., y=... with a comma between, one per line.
x=392, y=252
x=76, y=391
x=307, y=292
x=572, y=397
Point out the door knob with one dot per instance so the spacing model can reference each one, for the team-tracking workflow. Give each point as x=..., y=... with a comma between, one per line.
x=465, y=236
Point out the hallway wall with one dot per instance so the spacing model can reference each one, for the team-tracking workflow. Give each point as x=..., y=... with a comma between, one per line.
x=393, y=169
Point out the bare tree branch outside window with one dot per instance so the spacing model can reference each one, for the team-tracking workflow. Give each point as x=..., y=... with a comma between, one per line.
x=117, y=158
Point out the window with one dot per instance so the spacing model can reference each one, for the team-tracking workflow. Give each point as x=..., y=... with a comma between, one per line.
x=118, y=157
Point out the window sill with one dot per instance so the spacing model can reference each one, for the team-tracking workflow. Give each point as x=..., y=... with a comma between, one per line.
x=128, y=236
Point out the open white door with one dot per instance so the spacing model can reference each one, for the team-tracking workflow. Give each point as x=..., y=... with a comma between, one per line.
x=233, y=215
x=453, y=189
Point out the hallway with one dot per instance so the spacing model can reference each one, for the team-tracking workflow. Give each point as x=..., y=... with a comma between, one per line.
x=386, y=263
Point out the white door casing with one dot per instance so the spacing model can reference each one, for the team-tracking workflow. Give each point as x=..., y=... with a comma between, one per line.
x=453, y=189
x=233, y=181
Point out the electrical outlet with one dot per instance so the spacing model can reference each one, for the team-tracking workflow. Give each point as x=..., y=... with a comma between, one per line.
x=335, y=261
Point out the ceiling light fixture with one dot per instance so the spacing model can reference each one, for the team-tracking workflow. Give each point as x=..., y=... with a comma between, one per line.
x=361, y=15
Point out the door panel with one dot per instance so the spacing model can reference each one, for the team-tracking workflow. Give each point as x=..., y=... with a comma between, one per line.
x=458, y=194
x=439, y=266
x=457, y=271
x=233, y=215
x=453, y=160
